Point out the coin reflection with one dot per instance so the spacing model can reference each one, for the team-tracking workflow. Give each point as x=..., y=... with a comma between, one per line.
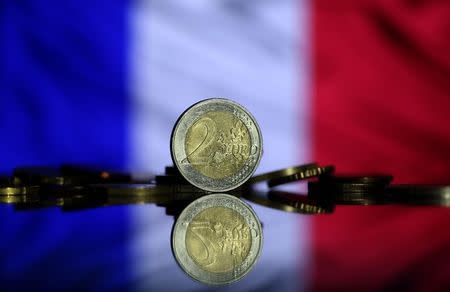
x=218, y=239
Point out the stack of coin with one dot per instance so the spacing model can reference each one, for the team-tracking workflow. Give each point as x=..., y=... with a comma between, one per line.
x=292, y=174
x=435, y=195
x=65, y=186
x=11, y=193
x=350, y=190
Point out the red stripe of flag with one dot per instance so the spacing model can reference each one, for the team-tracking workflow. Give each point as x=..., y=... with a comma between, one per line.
x=382, y=104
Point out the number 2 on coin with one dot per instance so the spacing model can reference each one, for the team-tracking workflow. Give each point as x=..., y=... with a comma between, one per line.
x=198, y=155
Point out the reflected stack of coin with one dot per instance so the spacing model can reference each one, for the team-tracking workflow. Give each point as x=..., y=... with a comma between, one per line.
x=139, y=193
x=288, y=202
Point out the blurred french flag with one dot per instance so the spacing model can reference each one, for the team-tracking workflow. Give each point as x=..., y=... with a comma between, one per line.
x=363, y=85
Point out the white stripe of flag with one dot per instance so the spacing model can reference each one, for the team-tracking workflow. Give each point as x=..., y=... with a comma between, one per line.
x=254, y=52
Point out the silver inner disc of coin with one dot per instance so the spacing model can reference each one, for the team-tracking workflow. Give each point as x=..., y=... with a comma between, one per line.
x=216, y=145
x=217, y=239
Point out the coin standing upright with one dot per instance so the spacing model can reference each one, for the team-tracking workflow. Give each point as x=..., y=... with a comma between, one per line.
x=216, y=145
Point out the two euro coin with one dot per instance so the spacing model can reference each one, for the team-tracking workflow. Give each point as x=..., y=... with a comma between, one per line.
x=216, y=145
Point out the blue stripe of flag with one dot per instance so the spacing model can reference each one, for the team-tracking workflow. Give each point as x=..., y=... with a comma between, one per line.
x=63, y=98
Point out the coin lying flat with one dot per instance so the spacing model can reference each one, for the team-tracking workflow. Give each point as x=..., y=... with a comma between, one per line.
x=217, y=239
x=280, y=173
x=350, y=190
x=436, y=195
x=10, y=194
x=348, y=194
x=14, y=194
x=12, y=190
x=216, y=145
x=95, y=175
x=32, y=175
x=380, y=179
x=20, y=199
x=291, y=174
x=300, y=173
x=66, y=175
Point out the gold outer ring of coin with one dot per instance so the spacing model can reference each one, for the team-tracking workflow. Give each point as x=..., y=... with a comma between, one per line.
x=238, y=226
x=190, y=171
x=277, y=200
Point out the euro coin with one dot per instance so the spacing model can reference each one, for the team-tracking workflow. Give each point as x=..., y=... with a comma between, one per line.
x=12, y=194
x=216, y=145
x=217, y=239
x=11, y=190
x=350, y=190
x=300, y=174
x=280, y=173
x=433, y=195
